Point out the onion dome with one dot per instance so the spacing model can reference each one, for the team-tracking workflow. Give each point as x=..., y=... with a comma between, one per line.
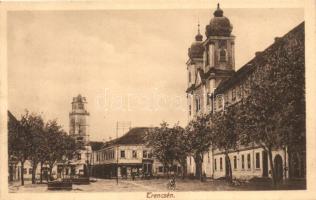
x=219, y=24
x=196, y=50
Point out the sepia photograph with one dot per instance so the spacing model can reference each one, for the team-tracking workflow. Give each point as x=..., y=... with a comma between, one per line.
x=156, y=100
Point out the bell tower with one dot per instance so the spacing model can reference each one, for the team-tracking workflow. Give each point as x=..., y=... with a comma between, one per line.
x=78, y=117
x=220, y=43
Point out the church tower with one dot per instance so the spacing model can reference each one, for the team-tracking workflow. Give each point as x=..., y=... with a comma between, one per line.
x=211, y=62
x=219, y=45
x=78, y=118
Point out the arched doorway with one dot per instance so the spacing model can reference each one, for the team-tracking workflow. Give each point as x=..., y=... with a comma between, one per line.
x=278, y=166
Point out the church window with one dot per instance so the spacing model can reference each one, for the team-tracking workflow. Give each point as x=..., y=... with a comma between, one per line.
x=226, y=98
x=207, y=99
x=189, y=77
x=233, y=94
x=238, y=91
x=222, y=55
x=220, y=102
x=80, y=106
x=223, y=44
x=221, y=163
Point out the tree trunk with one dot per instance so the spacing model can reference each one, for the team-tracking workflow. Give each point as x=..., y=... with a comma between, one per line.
x=34, y=166
x=198, y=166
x=184, y=169
x=22, y=172
x=272, y=166
x=50, y=172
x=41, y=173
x=229, y=175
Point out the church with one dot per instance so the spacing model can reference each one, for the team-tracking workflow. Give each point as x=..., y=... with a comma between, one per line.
x=213, y=84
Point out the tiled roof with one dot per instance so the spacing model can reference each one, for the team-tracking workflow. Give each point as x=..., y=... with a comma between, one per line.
x=133, y=136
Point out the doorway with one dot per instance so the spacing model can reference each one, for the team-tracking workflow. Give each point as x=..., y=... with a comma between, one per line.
x=278, y=166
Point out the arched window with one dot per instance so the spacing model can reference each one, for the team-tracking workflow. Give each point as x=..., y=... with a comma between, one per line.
x=189, y=77
x=222, y=56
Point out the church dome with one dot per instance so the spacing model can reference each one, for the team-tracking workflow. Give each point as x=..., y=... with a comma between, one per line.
x=219, y=24
x=196, y=50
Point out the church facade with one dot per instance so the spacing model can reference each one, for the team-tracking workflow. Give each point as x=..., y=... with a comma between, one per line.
x=213, y=84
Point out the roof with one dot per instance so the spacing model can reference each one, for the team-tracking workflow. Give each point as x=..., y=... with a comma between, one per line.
x=257, y=61
x=96, y=145
x=211, y=72
x=12, y=118
x=133, y=136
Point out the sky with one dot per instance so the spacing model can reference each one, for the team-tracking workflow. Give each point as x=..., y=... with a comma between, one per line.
x=129, y=64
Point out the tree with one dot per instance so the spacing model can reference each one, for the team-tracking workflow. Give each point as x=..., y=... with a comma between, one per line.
x=224, y=134
x=273, y=115
x=18, y=143
x=182, y=147
x=162, y=141
x=199, y=133
x=33, y=125
x=61, y=147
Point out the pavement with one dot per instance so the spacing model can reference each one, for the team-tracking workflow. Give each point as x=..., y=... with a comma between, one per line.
x=155, y=185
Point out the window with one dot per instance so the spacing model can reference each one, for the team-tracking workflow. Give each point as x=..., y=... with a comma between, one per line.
x=24, y=171
x=80, y=106
x=220, y=102
x=30, y=170
x=189, y=77
x=79, y=156
x=222, y=56
x=248, y=161
x=145, y=154
x=207, y=99
x=196, y=105
x=221, y=163
x=242, y=162
x=190, y=110
x=238, y=92
x=257, y=160
x=235, y=162
x=226, y=98
x=233, y=94
x=222, y=43
x=123, y=154
x=208, y=157
x=134, y=154
x=215, y=164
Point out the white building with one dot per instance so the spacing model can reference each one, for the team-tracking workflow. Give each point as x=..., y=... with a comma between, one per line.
x=213, y=84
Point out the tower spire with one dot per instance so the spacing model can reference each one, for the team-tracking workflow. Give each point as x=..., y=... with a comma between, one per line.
x=198, y=37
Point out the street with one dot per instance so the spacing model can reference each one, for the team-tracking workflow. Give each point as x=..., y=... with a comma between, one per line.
x=154, y=185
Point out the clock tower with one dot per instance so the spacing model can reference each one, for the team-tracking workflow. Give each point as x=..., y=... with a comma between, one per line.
x=78, y=118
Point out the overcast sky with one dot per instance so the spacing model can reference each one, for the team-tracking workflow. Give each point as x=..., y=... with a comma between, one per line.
x=129, y=64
